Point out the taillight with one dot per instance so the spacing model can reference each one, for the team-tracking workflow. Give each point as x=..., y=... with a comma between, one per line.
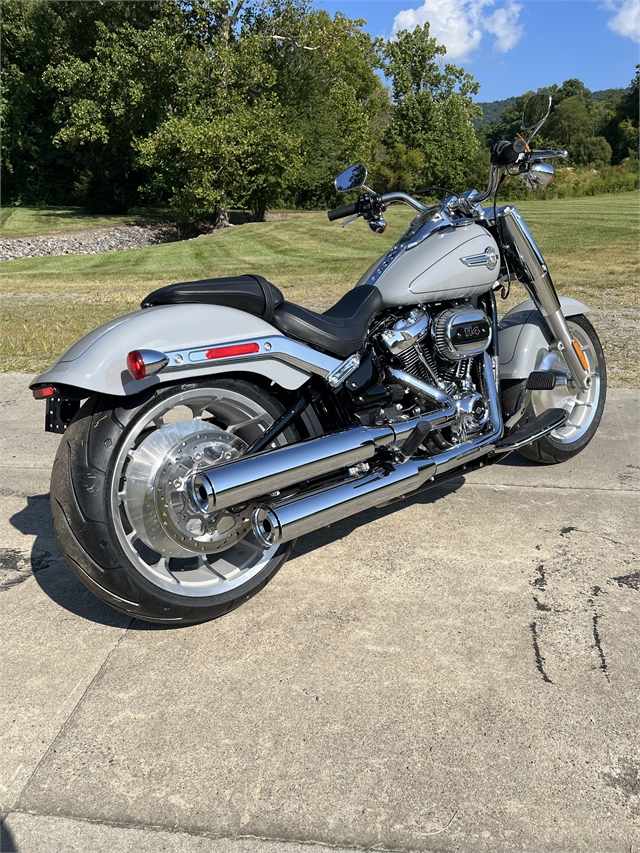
x=145, y=362
x=236, y=349
x=135, y=364
x=43, y=393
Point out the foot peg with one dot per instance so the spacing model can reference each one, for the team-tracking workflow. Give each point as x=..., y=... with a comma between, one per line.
x=541, y=380
x=535, y=429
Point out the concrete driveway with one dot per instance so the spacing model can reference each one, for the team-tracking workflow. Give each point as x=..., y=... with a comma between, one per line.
x=456, y=673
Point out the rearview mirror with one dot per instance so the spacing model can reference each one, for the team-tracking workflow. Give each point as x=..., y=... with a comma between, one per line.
x=351, y=179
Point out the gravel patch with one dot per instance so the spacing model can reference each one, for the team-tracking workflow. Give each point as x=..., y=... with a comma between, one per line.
x=90, y=242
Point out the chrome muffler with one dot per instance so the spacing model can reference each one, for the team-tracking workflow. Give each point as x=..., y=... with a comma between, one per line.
x=273, y=470
x=274, y=524
x=282, y=522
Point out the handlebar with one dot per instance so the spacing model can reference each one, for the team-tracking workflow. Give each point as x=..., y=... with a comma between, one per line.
x=544, y=153
x=341, y=212
x=503, y=153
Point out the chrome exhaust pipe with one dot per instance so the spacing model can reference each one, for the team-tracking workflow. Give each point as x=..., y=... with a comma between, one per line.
x=273, y=470
x=274, y=524
x=283, y=522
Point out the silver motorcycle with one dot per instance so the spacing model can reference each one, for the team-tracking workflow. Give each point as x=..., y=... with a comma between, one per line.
x=205, y=432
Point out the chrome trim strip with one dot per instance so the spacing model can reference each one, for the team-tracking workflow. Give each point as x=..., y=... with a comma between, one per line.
x=537, y=435
x=276, y=347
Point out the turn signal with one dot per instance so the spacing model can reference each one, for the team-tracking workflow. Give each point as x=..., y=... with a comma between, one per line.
x=236, y=349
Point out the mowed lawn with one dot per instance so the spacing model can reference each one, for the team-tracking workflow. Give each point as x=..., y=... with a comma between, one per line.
x=591, y=246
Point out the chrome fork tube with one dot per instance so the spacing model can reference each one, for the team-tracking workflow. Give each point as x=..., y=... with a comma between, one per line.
x=540, y=286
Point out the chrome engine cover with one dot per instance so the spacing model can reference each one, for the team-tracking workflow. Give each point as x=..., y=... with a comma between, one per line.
x=406, y=332
x=461, y=333
x=472, y=415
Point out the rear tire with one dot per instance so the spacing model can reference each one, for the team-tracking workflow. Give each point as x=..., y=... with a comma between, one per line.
x=121, y=515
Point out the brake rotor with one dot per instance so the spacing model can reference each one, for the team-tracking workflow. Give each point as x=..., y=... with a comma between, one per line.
x=153, y=490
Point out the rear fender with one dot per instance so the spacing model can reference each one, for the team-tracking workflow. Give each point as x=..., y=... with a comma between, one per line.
x=184, y=332
x=523, y=333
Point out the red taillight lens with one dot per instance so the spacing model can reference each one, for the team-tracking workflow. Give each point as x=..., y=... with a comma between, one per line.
x=227, y=352
x=43, y=393
x=136, y=365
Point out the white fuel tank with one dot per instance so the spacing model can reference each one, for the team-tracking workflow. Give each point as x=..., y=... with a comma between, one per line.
x=454, y=262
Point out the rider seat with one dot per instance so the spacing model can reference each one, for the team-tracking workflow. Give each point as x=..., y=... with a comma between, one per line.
x=339, y=331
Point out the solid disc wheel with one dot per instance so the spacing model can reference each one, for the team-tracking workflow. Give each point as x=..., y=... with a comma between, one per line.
x=121, y=509
x=584, y=407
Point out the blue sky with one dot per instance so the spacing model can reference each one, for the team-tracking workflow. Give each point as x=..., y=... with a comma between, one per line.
x=511, y=46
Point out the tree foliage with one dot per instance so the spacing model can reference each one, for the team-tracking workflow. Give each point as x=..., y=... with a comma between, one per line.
x=204, y=105
x=433, y=107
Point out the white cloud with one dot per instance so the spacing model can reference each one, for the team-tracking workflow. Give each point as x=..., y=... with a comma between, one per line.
x=460, y=24
x=503, y=24
x=627, y=20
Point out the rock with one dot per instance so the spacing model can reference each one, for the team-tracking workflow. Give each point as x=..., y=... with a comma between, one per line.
x=93, y=242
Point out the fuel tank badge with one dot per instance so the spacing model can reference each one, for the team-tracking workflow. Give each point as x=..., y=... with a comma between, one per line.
x=489, y=259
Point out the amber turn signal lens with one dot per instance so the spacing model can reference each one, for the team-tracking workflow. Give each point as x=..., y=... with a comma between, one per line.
x=580, y=354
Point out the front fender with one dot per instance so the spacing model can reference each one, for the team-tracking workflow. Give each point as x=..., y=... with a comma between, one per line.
x=522, y=333
x=97, y=362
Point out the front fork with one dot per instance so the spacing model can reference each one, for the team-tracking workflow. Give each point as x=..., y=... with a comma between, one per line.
x=537, y=280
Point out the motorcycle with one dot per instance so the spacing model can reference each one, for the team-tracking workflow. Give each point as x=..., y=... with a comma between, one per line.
x=207, y=431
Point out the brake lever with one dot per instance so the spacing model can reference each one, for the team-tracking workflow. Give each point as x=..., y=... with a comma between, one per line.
x=350, y=219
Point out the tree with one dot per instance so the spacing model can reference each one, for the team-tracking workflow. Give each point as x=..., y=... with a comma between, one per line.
x=592, y=151
x=112, y=95
x=332, y=98
x=433, y=106
x=621, y=129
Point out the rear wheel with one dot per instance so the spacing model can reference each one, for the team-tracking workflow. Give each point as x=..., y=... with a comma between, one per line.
x=585, y=407
x=121, y=511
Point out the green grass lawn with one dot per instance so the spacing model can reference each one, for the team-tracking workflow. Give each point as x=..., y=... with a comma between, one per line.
x=591, y=246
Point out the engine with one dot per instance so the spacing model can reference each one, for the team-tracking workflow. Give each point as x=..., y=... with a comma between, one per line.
x=443, y=351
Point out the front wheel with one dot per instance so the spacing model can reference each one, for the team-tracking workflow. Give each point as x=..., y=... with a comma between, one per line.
x=585, y=407
x=122, y=515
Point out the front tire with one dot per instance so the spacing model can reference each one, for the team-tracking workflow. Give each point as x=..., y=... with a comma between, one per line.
x=585, y=407
x=121, y=514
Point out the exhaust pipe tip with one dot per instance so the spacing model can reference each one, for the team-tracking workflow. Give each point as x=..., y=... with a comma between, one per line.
x=201, y=493
x=266, y=527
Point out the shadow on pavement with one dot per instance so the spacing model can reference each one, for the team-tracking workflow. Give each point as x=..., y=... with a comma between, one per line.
x=48, y=566
x=6, y=840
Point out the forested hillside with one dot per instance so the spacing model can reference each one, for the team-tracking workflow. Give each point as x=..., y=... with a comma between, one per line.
x=210, y=105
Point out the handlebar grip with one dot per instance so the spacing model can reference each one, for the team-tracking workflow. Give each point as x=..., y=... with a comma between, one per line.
x=341, y=212
x=504, y=152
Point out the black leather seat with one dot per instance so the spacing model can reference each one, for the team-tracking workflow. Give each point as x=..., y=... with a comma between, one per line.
x=340, y=331
x=250, y=293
